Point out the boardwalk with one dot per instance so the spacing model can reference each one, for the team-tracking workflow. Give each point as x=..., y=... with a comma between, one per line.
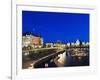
x=46, y=58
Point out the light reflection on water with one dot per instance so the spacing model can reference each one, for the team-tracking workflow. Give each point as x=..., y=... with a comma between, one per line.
x=76, y=60
x=66, y=60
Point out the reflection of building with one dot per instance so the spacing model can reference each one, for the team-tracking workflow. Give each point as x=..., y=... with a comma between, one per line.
x=29, y=39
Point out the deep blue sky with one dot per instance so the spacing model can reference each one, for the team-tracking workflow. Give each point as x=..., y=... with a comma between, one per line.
x=52, y=26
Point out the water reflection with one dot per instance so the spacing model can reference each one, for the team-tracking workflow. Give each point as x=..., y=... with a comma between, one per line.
x=75, y=60
x=67, y=59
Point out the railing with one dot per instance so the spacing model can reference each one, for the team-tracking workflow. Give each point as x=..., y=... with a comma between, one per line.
x=39, y=49
x=46, y=58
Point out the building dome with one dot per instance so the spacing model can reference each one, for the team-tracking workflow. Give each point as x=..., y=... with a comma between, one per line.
x=77, y=42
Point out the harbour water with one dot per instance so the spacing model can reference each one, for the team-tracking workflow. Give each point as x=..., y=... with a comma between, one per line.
x=66, y=60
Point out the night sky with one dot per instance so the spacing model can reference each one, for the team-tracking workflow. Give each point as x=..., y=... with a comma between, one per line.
x=54, y=26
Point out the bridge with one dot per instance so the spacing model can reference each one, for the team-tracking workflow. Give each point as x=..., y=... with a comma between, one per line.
x=46, y=58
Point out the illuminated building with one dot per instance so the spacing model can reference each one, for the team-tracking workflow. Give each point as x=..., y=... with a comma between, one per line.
x=32, y=40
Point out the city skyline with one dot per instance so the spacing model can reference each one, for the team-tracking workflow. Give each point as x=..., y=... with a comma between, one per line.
x=53, y=26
